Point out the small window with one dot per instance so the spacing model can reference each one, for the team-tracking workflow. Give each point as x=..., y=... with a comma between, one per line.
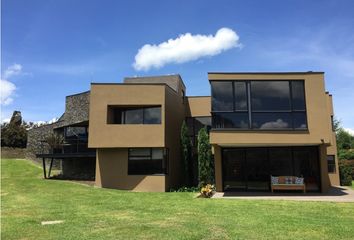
x=75, y=133
x=147, y=161
x=331, y=161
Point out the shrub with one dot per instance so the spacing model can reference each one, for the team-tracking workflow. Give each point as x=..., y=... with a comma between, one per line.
x=345, y=173
x=207, y=191
x=186, y=147
x=205, y=172
x=346, y=154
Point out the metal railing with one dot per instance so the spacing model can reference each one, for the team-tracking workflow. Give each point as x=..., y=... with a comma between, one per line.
x=69, y=146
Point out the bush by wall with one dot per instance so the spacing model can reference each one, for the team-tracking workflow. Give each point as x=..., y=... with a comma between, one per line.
x=205, y=165
x=345, y=173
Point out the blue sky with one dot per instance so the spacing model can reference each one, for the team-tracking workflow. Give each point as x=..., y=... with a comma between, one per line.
x=60, y=46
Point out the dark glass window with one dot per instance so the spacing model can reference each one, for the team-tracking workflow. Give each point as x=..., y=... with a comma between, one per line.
x=152, y=115
x=298, y=95
x=299, y=120
x=195, y=124
x=222, y=96
x=270, y=95
x=145, y=161
x=271, y=121
x=134, y=115
x=331, y=161
x=280, y=162
x=231, y=120
x=275, y=104
x=240, y=96
x=75, y=133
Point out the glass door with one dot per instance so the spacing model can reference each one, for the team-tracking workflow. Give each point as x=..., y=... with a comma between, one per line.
x=258, y=178
x=234, y=170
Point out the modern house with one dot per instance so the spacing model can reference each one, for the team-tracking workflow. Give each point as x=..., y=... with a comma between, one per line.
x=260, y=124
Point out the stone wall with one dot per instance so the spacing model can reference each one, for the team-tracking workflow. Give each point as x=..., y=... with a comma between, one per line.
x=35, y=138
x=77, y=108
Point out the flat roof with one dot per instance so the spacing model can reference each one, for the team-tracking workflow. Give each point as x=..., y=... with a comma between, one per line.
x=280, y=73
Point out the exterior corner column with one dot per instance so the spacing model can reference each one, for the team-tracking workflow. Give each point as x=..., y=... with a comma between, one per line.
x=218, y=168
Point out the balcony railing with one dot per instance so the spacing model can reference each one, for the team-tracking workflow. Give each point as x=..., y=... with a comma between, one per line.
x=69, y=146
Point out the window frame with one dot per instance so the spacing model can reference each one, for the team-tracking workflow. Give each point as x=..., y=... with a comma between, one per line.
x=250, y=112
x=164, y=161
x=331, y=163
x=112, y=108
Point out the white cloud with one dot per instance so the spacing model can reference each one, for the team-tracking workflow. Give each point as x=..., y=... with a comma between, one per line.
x=13, y=70
x=349, y=130
x=7, y=88
x=6, y=91
x=186, y=47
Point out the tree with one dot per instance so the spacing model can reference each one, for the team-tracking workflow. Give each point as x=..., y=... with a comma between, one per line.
x=14, y=134
x=344, y=139
x=186, y=148
x=204, y=158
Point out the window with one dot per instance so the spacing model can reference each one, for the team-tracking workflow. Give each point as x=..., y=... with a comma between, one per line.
x=147, y=161
x=75, y=133
x=230, y=120
x=134, y=115
x=240, y=96
x=265, y=105
x=270, y=95
x=194, y=124
x=222, y=96
x=331, y=161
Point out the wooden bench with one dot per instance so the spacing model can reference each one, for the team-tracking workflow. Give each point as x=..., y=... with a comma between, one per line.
x=282, y=185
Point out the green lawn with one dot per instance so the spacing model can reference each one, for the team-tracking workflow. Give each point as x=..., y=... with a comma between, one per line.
x=93, y=213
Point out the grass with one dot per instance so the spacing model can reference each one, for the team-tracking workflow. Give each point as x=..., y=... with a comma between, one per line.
x=353, y=184
x=94, y=213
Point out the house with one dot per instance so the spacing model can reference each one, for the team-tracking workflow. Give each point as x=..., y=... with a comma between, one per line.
x=260, y=124
x=272, y=124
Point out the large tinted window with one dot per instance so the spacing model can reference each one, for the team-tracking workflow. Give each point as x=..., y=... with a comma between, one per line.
x=281, y=161
x=152, y=115
x=133, y=116
x=270, y=95
x=268, y=104
x=271, y=120
x=145, y=161
x=231, y=120
x=222, y=96
x=298, y=95
x=240, y=96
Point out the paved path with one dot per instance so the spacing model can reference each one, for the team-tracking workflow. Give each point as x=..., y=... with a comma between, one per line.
x=335, y=194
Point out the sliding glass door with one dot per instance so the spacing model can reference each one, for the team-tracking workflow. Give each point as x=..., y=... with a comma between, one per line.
x=249, y=169
x=234, y=170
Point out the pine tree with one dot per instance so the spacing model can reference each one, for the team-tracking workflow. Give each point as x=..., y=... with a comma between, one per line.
x=204, y=158
x=185, y=153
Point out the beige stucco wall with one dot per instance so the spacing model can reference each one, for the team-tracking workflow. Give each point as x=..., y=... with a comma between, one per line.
x=113, y=140
x=112, y=172
x=198, y=106
x=332, y=149
x=103, y=135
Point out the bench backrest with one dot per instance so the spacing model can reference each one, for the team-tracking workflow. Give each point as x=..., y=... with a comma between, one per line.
x=282, y=179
